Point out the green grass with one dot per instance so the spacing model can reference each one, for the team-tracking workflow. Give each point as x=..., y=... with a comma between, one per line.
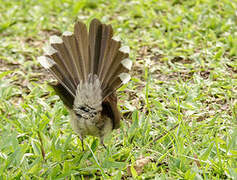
x=179, y=110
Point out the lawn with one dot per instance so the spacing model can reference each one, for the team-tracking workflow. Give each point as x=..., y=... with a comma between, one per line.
x=179, y=109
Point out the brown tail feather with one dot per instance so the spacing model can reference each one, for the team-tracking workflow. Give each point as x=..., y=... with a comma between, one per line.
x=82, y=38
x=116, y=83
x=62, y=71
x=113, y=68
x=107, y=33
x=51, y=53
x=115, y=45
x=120, y=69
x=95, y=35
x=72, y=46
x=66, y=97
x=63, y=79
x=67, y=59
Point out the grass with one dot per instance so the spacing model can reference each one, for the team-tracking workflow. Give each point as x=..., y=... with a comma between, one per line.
x=179, y=110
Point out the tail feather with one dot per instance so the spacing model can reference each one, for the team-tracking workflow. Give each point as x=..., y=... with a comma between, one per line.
x=115, y=45
x=67, y=59
x=51, y=53
x=65, y=96
x=124, y=67
x=72, y=46
x=113, y=69
x=95, y=36
x=80, y=32
x=116, y=83
x=107, y=34
x=63, y=79
x=61, y=68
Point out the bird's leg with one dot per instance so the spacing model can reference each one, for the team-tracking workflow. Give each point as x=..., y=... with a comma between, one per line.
x=102, y=142
x=104, y=146
x=82, y=143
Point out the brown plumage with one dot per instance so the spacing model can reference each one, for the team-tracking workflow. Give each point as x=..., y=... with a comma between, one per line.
x=89, y=67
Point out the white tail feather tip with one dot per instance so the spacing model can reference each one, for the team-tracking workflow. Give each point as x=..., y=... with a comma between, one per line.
x=46, y=62
x=67, y=33
x=125, y=49
x=125, y=77
x=127, y=63
x=55, y=40
x=49, y=50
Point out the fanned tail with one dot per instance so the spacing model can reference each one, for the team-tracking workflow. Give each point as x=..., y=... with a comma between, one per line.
x=77, y=57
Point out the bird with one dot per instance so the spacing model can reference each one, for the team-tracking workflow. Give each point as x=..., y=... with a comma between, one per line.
x=89, y=66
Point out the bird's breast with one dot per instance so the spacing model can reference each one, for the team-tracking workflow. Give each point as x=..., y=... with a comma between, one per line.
x=95, y=126
x=85, y=126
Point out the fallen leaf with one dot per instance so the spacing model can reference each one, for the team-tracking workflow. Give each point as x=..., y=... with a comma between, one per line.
x=139, y=165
